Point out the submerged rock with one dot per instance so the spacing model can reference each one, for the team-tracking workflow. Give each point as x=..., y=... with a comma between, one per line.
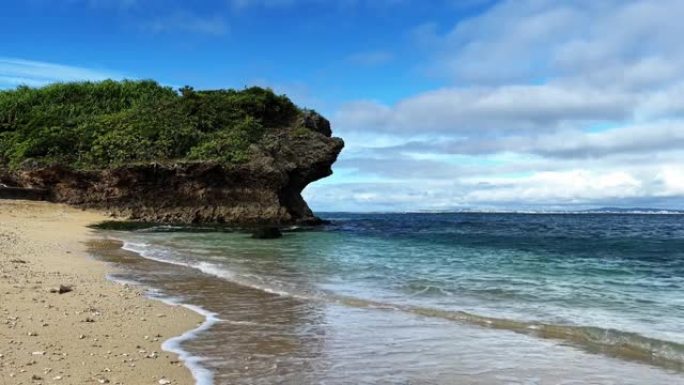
x=267, y=233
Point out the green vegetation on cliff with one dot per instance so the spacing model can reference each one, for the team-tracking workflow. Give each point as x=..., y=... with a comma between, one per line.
x=96, y=125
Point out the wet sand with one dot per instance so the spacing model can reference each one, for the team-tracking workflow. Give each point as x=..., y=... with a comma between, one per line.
x=100, y=332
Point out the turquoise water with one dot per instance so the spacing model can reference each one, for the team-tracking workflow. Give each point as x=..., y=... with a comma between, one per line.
x=436, y=299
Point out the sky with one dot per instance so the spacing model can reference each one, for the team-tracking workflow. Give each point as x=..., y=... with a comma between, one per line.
x=443, y=104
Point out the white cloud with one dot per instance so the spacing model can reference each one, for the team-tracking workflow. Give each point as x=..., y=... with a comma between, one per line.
x=390, y=196
x=572, y=186
x=655, y=185
x=188, y=22
x=523, y=40
x=370, y=58
x=644, y=138
x=672, y=179
x=640, y=139
x=506, y=108
x=15, y=72
x=547, y=103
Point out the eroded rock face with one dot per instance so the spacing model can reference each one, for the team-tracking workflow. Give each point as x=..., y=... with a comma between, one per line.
x=266, y=190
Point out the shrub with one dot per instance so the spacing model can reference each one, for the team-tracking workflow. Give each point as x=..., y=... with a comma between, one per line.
x=230, y=146
x=101, y=124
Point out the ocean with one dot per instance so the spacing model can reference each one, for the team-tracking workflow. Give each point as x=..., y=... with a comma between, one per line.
x=417, y=299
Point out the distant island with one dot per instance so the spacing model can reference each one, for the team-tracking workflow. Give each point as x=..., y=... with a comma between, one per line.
x=148, y=152
x=601, y=210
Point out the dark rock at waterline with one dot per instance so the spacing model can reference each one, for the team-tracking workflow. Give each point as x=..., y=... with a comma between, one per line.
x=267, y=233
x=7, y=192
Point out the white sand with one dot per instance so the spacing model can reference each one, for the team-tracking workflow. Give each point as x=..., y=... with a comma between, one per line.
x=101, y=332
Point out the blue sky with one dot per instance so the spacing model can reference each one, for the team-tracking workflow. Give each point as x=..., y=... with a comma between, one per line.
x=444, y=104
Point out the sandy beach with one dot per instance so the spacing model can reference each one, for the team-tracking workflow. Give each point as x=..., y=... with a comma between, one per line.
x=99, y=332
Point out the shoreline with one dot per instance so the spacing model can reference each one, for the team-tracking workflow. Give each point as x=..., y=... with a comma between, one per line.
x=100, y=332
x=611, y=343
x=106, y=250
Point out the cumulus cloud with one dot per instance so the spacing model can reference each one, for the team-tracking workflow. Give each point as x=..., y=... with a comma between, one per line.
x=571, y=103
x=506, y=108
x=405, y=168
x=572, y=186
x=387, y=196
x=646, y=138
x=658, y=187
x=582, y=186
x=519, y=40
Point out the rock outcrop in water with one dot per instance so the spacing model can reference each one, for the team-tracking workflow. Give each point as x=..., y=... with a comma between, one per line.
x=264, y=190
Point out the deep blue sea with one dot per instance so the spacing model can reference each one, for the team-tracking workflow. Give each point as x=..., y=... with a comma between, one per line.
x=447, y=299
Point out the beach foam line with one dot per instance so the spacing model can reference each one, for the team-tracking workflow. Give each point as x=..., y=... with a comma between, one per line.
x=210, y=269
x=611, y=342
x=201, y=374
x=141, y=249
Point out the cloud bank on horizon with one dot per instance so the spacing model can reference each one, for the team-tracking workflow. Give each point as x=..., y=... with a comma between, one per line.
x=518, y=104
x=545, y=105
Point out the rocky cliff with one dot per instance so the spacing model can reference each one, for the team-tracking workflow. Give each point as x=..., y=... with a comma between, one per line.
x=264, y=190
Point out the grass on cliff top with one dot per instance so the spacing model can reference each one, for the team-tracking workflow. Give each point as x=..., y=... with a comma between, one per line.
x=92, y=125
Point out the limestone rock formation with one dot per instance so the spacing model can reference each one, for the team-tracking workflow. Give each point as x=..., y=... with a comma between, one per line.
x=266, y=190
